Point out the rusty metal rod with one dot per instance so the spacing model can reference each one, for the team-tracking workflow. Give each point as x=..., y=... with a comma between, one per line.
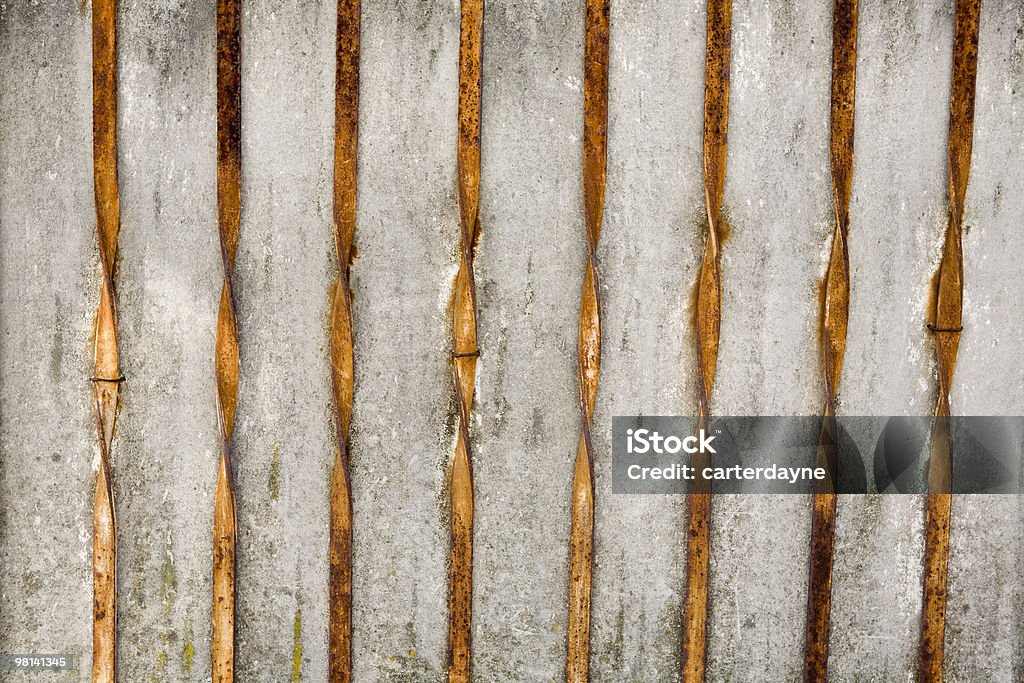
x=106, y=379
x=946, y=324
x=708, y=325
x=346, y=128
x=229, y=172
x=595, y=152
x=465, y=351
x=834, y=318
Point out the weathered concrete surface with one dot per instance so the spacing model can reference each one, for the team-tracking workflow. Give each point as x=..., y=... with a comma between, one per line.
x=529, y=272
x=49, y=288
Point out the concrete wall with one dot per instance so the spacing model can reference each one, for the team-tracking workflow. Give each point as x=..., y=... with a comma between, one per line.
x=529, y=271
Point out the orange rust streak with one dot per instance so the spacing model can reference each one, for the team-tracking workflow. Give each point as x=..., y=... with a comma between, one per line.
x=104, y=551
x=595, y=151
x=346, y=128
x=936, y=572
x=460, y=594
x=340, y=542
x=946, y=324
x=461, y=586
x=834, y=321
x=708, y=320
x=695, y=608
x=595, y=114
x=819, y=594
x=106, y=370
x=229, y=171
x=581, y=552
x=225, y=526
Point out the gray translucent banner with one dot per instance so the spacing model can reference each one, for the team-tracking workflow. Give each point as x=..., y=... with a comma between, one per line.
x=37, y=662
x=662, y=454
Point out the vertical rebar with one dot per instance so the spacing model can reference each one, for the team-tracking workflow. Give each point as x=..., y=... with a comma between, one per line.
x=346, y=128
x=708, y=325
x=595, y=152
x=229, y=197
x=465, y=352
x=834, y=317
x=946, y=325
x=106, y=379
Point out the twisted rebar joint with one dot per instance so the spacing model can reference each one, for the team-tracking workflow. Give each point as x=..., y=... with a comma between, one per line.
x=834, y=319
x=465, y=352
x=708, y=325
x=229, y=172
x=595, y=151
x=346, y=127
x=946, y=325
x=105, y=391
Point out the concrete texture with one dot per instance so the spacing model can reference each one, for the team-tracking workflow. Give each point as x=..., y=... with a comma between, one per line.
x=529, y=270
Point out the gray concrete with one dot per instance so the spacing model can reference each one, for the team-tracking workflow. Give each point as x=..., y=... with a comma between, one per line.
x=529, y=272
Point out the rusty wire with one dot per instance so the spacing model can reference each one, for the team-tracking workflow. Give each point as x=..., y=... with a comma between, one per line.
x=107, y=378
x=708, y=325
x=229, y=172
x=595, y=151
x=346, y=128
x=834, y=318
x=946, y=324
x=465, y=351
